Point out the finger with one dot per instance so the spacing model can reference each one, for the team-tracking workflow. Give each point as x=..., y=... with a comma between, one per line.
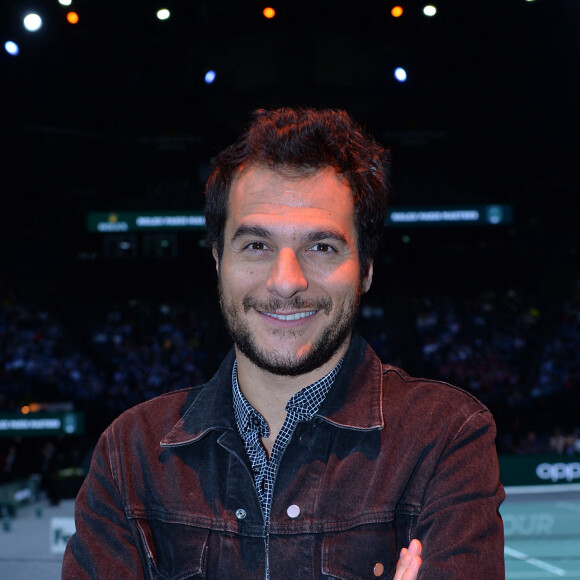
x=404, y=559
x=415, y=548
x=413, y=569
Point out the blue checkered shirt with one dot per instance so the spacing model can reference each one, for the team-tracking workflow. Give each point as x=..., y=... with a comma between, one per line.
x=251, y=426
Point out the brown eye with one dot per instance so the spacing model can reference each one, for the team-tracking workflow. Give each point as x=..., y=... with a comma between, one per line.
x=257, y=246
x=322, y=248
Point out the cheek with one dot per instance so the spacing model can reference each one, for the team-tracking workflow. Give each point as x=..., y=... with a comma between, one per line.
x=239, y=280
x=342, y=281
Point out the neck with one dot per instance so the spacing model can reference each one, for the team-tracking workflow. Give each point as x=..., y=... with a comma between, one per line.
x=268, y=393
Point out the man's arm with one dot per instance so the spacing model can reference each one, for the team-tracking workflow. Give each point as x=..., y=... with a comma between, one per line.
x=102, y=546
x=459, y=525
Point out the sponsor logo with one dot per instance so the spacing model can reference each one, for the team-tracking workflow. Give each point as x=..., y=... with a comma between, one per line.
x=535, y=524
x=559, y=471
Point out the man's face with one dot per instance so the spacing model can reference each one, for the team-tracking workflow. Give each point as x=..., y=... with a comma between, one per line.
x=289, y=276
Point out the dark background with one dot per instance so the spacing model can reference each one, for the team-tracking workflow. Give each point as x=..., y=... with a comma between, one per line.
x=114, y=114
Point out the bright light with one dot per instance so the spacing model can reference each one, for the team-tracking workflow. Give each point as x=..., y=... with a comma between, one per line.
x=269, y=12
x=11, y=48
x=429, y=10
x=210, y=76
x=65, y=2
x=163, y=14
x=397, y=11
x=72, y=17
x=401, y=74
x=32, y=22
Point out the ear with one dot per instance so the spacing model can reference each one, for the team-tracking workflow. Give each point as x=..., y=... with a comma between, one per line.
x=214, y=253
x=367, y=278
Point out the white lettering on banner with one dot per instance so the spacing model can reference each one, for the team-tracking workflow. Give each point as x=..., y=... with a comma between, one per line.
x=113, y=227
x=29, y=424
x=559, y=471
x=170, y=220
x=61, y=529
x=539, y=524
x=460, y=215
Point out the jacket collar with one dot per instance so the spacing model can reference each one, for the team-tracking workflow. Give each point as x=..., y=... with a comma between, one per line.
x=354, y=401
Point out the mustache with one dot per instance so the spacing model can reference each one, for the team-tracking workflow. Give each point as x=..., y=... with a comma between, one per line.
x=294, y=303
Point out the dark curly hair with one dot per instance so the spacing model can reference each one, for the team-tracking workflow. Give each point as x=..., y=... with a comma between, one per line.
x=305, y=140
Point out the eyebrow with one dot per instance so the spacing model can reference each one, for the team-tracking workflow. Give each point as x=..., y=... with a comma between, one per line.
x=326, y=235
x=253, y=231
x=311, y=237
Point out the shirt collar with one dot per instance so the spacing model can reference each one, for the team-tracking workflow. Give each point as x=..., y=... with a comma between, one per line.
x=355, y=401
x=304, y=404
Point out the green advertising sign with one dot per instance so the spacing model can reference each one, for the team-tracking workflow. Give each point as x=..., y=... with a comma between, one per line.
x=120, y=222
x=539, y=469
x=41, y=424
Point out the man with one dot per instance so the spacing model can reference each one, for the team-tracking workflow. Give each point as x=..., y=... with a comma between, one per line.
x=304, y=456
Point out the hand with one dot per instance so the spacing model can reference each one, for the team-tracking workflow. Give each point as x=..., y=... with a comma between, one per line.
x=409, y=562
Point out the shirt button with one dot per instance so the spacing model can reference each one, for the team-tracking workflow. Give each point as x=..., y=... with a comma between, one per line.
x=378, y=569
x=293, y=511
x=241, y=514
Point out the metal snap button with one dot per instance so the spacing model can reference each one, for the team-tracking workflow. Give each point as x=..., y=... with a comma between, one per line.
x=241, y=514
x=378, y=569
x=293, y=511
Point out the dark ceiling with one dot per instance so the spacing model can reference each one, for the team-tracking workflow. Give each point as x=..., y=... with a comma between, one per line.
x=113, y=113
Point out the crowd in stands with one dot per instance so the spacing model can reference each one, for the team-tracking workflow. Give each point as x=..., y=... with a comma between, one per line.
x=498, y=345
x=526, y=369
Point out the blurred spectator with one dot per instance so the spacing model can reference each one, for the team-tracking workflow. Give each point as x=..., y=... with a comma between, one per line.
x=495, y=344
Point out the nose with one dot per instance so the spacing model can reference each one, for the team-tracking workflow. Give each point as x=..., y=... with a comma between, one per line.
x=286, y=276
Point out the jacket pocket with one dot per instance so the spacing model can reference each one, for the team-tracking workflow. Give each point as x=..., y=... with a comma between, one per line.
x=174, y=551
x=365, y=551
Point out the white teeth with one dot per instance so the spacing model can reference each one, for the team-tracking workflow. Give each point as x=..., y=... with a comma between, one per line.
x=296, y=316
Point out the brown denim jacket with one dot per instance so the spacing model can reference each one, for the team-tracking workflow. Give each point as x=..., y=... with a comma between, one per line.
x=387, y=458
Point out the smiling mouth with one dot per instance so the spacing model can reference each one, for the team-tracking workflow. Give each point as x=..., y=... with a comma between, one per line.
x=296, y=316
x=296, y=307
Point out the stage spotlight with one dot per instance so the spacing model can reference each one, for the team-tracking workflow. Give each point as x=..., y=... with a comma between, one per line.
x=32, y=22
x=210, y=77
x=163, y=14
x=65, y=2
x=72, y=17
x=429, y=10
x=401, y=74
x=11, y=48
x=397, y=11
x=269, y=12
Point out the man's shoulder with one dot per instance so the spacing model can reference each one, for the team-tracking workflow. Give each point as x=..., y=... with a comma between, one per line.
x=169, y=401
x=431, y=395
x=155, y=417
x=202, y=405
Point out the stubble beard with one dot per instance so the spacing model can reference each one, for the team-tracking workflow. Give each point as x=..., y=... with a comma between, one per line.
x=324, y=348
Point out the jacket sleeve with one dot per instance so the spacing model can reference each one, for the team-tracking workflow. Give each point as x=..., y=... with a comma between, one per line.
x=103, y=545
x=459, y=525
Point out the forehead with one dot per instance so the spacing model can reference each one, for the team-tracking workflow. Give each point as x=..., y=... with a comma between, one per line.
x=260, y=193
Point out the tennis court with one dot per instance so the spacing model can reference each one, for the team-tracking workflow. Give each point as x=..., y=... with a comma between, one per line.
x=542, y=532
